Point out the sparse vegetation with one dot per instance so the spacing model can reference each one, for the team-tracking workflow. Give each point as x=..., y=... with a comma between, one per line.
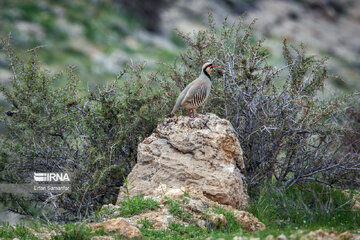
x=175, y=231
x=306, y=206
x=74, y=231
x=136, y=205
x=20, y=231
x=232, y=225
x=176, y=207
x=185, y=227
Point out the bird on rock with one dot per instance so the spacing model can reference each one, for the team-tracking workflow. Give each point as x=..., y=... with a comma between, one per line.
x=196, y=93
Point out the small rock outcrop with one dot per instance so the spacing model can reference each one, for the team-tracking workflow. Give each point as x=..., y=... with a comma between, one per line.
x=199, y=155
x=120, y=226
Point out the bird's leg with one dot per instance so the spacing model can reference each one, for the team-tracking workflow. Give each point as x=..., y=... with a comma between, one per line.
x=195, y=114
x=192, y=112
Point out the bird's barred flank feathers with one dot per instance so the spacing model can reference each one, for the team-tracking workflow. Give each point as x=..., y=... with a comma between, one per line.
x=199, y=97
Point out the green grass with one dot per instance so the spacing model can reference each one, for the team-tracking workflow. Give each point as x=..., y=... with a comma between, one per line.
x=232, y=225
x=74, y=231
x=310, y=206
x=70, y=231
x=20, y=231
x=80, y=231
x=176, y=208
x=192, y=231
x=175, y=231
x=136, y=205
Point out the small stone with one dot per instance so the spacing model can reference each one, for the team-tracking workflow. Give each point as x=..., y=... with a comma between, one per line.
x=195, y=205
x=174, y=193
x=102, y=238
x=169, y=219
x=109, y=206
x=217, y=219
x=117, y=213
x=345, y=235
x=160, y=218
x=103, y=207
x=201, y=223
x=356, y=236
x=248, y=221
x=157, y=198
x=282, y=237
x=240, y=238
x=269, y=237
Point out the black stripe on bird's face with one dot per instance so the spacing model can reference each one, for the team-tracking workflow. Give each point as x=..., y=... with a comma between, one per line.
x=209, y=66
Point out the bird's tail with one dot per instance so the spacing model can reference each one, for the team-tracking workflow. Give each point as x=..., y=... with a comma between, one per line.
x=174, y=110
x=176, y=107
x=179, y=100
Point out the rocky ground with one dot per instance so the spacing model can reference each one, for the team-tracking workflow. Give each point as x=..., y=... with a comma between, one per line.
x=192, y=209
x=187, y=184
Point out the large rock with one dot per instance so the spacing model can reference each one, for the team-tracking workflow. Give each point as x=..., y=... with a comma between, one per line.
x=201, y=154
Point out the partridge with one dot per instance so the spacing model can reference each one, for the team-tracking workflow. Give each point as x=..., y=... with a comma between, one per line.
x=196, y=93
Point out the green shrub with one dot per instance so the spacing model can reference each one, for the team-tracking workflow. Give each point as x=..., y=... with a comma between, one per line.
x=289, y=133
x=93, y=136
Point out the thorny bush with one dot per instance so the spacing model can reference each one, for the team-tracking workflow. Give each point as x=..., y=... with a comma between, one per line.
x=288, y=133
x=93, y=136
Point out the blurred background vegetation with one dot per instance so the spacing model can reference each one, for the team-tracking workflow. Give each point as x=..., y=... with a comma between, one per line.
x=100, y=36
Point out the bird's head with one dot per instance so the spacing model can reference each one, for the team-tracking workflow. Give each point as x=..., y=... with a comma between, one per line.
x=208, y=67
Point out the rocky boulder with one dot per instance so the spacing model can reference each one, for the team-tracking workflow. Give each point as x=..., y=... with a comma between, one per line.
x=198, y=155
x=120, y=226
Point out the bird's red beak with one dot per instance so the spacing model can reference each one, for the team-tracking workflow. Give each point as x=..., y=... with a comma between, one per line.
x=213, y=66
